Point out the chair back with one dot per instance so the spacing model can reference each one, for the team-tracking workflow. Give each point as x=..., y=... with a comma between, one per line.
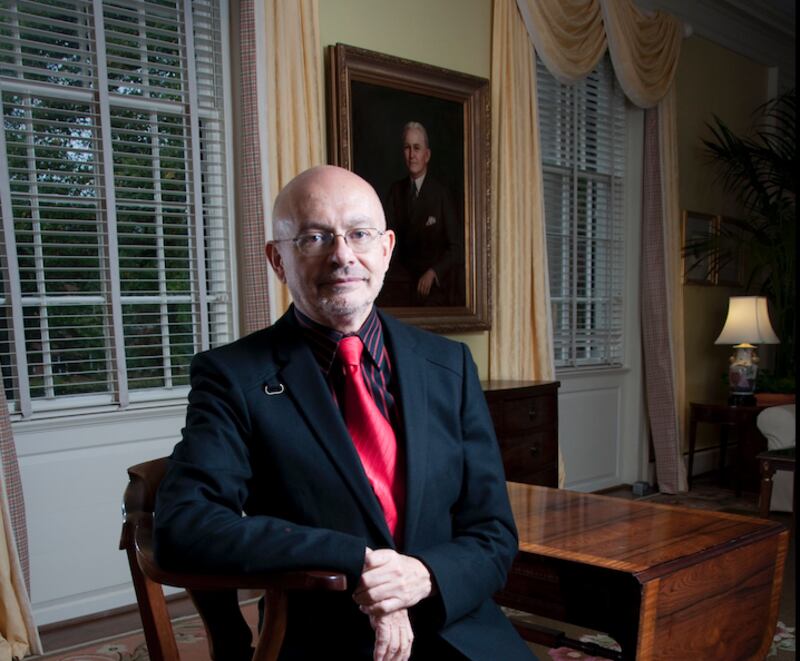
x=208, y=591
x=140, y=495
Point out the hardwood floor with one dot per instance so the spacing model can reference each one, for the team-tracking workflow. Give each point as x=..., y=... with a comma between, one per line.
x=103, y=625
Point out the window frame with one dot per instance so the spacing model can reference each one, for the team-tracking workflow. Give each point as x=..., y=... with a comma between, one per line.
x=118, y=395
x=565, y=273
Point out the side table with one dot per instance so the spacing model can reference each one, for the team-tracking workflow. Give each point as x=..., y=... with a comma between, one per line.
x=769, y=462
x=525, y=416
x=741, y=420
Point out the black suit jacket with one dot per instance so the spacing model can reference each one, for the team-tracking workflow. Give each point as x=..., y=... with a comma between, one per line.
x=287, y=462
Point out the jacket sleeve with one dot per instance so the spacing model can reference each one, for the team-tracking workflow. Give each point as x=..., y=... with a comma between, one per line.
x=473, y=566
x=200, y=523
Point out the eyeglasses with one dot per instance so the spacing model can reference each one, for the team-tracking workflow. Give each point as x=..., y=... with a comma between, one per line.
x=319, y=242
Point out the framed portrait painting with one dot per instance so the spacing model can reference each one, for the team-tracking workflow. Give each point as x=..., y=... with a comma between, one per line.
x=421, y=136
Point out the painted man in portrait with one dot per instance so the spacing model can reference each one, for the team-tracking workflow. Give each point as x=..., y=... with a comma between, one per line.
x=421, y=212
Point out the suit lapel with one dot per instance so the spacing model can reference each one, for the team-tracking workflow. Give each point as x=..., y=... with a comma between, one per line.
x=409, y=368
x=299, y=372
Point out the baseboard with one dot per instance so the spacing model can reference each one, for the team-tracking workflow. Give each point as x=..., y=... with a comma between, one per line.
x=623, y=486
x=102, y=624
x=174, y=601
x=706, y=460
x=115, y=621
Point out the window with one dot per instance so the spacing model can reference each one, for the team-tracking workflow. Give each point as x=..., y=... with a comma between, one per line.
x=113, y=197
x=582, y=129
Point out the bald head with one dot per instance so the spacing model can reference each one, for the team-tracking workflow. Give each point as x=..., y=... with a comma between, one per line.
x=322, y=185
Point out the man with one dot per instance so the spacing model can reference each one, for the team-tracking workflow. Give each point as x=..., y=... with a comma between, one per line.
x=273, y=473
x=420, y=210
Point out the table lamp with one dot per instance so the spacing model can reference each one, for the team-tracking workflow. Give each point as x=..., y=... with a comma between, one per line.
x=747, y=325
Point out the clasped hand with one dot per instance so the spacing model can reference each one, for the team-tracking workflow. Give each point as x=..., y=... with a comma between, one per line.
x=390, y=584
x=426, y=281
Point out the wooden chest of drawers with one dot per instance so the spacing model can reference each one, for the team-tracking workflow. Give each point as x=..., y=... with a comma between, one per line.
x=525, y=416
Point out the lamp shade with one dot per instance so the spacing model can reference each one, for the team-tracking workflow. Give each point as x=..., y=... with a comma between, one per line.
x=747, y=322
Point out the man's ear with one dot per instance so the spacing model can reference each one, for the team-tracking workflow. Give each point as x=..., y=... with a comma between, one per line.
x=275, y=261
x=389, y=240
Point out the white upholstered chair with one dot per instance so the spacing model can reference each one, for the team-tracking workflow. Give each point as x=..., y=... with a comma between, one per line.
x=777, y=424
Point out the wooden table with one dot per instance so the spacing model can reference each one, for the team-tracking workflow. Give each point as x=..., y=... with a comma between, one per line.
x=667, y=583
x=769, y=462
x=742, y=421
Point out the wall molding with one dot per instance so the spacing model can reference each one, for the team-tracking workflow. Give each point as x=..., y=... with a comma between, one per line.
x=761, y=31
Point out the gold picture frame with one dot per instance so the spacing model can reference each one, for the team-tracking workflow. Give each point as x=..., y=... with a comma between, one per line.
x=371, y=96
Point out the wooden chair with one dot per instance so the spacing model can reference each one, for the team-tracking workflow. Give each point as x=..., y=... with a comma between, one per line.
x=148, y=577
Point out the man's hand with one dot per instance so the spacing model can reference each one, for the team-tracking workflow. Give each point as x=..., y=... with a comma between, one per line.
x=425, y=282
x=393, y=636
x=391, y=582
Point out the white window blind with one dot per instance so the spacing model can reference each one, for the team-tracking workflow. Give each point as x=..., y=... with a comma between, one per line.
x=115, y=258
x=582, y=128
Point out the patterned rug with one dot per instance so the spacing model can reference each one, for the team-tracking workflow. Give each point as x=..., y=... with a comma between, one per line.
x=709, y=497
x=193, y=646
x=784, y=641
x=189, y=634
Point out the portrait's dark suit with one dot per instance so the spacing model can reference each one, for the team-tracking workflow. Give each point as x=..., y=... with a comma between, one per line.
x=428, y=236
x=287, y=462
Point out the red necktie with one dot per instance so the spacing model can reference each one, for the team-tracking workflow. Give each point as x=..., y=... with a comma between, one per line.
x=372, y=434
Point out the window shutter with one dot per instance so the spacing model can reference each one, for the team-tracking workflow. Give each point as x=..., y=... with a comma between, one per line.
x=115, y=258
x=582, y=129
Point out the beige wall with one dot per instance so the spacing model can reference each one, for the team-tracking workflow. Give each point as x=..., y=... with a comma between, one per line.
x=711, y=80
x=454, y=34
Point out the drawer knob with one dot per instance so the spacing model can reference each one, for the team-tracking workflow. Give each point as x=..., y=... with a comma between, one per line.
x=534, y=450
x=532, y=412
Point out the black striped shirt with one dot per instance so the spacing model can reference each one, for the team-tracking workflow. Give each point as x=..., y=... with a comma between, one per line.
x=376, y=367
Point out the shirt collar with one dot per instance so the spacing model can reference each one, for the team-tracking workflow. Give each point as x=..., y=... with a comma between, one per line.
x=324, y=341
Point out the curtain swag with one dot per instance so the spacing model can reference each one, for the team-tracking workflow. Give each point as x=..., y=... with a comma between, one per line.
x=571, y=36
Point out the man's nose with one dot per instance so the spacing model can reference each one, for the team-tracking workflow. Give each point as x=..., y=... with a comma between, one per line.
x=341, y=252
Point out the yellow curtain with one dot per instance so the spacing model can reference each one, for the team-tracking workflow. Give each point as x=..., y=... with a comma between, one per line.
x=520, y=343
x=570, y=36
x=644, y=49
x=294, y=100
x=567, y=34
x=18, y=634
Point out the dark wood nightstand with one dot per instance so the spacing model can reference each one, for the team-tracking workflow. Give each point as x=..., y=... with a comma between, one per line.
x=742, y=421
x=525, y=416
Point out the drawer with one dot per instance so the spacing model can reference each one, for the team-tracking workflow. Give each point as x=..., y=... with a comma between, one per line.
x=496, y=413
x=524, y=456
x=545, y=476
x=529, y=413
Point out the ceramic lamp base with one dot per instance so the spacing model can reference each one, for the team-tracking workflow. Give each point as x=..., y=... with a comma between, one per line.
x=742, y=400
x=742, y=371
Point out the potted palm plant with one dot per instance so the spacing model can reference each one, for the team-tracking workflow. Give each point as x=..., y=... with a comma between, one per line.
x=760, y=168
